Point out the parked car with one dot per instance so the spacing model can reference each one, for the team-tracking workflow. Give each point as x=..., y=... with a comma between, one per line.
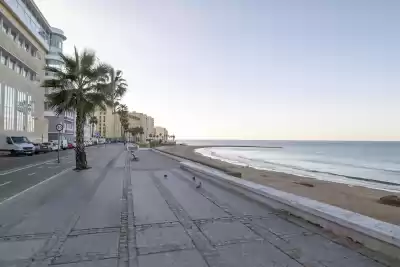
x=50, y=145
x=41, y=148
x=63, y=143
x=54, y=145
x=71, y=145
x=16, y=145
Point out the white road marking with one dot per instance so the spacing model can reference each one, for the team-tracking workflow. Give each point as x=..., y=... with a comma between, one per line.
x=26, y=167
x=42, y=182
x=5, y=183
x=33, y=173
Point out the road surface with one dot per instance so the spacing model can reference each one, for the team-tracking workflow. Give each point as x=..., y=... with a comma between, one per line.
x=149, y=213
x=19, y=173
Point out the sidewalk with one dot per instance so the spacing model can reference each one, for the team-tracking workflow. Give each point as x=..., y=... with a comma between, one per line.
x=125, y=213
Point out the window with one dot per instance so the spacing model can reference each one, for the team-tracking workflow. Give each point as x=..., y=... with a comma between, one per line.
x=26, y=47
x=13, y=35
x=5, y=28
x=11, y=63
x=25, y=73
x=3, y=59
x=19, y=139
x=9, y=108
x=17, y=68
x=9, y=140
x=20, y=42
x=21, y=110
x=30, y=111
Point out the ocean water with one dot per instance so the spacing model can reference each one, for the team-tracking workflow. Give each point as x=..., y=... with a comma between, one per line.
x=369, y=164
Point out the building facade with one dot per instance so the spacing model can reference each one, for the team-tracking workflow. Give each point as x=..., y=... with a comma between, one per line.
x=21, y=70
x=146, y=122
x=53, y=59
x=161, y=133
x=25, y=40
x=108, y=124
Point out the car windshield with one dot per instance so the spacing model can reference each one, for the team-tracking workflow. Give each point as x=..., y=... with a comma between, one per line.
x=19, y=139
x=46, y=144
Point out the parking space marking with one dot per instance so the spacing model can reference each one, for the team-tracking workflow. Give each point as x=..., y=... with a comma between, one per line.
x=33, y=173
x=5, y=183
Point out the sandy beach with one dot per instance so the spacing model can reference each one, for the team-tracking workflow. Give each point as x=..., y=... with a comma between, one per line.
x=355, y=198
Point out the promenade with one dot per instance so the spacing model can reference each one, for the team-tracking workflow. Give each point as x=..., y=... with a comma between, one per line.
x=151, y=213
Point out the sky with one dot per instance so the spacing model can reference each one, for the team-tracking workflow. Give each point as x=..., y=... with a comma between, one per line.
x=249, y=69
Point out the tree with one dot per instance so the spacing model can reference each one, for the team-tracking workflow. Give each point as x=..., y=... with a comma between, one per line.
x=78, y=86
x=92, y=121
x=118, y=87
x=122, y=111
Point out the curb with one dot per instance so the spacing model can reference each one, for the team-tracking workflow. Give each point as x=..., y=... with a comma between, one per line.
x=373, y=234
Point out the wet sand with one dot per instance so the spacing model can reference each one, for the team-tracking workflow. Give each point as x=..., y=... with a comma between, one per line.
x=355, y=198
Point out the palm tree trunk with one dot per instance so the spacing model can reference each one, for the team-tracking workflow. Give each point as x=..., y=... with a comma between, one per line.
x=80, y=154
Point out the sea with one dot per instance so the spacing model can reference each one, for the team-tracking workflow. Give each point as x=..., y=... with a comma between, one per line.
x=369, y=164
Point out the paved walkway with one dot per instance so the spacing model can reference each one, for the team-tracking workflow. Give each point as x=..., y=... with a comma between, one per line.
x=125, y=213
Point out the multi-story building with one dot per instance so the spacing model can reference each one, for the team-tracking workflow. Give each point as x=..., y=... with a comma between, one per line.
x=161, y=133
x=25, y=39
x=108, y=124
x=53, y=59
x=146, y=122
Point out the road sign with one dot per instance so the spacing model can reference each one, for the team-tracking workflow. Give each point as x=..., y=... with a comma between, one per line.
x=59, y=127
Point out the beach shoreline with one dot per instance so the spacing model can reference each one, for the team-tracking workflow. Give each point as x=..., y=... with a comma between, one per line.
x=355, y=198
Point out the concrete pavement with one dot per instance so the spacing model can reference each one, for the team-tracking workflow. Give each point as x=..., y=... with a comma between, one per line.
x=126, y=213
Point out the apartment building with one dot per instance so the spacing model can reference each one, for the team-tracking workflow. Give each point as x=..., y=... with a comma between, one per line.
x=161, y=133
x=146, y=122
x=25, y=40
x=108, y=124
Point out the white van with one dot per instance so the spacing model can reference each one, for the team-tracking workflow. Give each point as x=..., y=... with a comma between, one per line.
x=63, y=143
x=16, y=145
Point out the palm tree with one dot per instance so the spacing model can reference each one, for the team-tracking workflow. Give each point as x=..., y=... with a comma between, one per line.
x=122, y=111
x=118, y=88
x=78, y=86
x=92, y=121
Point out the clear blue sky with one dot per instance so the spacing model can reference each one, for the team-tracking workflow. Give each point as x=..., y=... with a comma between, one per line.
x=266, y=69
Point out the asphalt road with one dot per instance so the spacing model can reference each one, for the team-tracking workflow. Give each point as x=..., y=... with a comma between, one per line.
x=19, y=173
x=151, y=213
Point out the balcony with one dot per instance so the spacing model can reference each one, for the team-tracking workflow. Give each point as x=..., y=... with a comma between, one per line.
x=54, y=56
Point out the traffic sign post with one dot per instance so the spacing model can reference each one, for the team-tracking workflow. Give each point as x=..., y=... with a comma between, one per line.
x=59, y=128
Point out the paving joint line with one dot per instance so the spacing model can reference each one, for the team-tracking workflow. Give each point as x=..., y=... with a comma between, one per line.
x=127, y=251
x=89, y=256
x=200, y=241
x=226, y=207
x=90, y=231
x=24, y=237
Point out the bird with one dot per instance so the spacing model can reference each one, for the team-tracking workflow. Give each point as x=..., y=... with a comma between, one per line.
x=194, y=178
x=199, y=185
x=165, y=176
